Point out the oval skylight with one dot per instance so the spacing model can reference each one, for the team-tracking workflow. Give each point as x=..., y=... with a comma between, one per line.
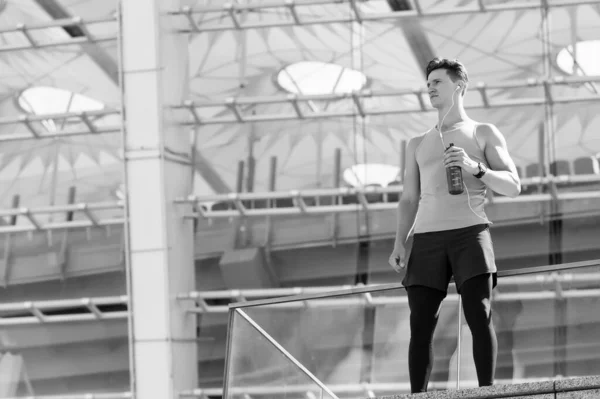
x=371, y=174
x=588, y=62
x=311, y=77
x=43, y=100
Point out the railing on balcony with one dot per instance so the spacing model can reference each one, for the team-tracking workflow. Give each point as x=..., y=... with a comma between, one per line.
x=546, y=320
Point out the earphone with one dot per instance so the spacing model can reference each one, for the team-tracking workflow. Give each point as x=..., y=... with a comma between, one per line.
x=444, y=149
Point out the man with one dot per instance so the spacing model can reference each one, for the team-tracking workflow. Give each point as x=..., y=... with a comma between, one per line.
x=451, y=234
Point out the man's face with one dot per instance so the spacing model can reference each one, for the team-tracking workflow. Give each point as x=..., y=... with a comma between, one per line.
x=441, y=88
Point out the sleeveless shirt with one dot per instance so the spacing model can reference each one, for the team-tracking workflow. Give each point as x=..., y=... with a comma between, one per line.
x=439, y=210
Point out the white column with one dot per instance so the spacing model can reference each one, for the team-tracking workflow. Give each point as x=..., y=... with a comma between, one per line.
x=160, y=241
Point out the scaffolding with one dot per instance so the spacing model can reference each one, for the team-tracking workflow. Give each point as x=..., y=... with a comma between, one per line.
x=302, y=202
x=63, y=311
x=549, y=286
x=34, y=130
x=232, y=108
x=307, y=202
x=115, y=395
x=33, y=41
x=87, y=210
x=542, y=287
x=292, y=10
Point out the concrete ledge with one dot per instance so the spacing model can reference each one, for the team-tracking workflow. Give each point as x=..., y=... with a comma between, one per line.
x=573, y=388
x=575, y=384
x=586, y=394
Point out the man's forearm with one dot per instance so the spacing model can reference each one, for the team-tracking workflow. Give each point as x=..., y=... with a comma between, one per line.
x=502, y=182
x=407, y=211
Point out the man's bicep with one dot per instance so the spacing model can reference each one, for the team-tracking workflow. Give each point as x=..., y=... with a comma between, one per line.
x=496, y=151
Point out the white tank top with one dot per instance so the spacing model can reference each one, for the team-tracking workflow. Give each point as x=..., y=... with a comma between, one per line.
x=438, y=209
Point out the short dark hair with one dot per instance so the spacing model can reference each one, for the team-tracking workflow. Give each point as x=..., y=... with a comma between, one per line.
x=456, y=70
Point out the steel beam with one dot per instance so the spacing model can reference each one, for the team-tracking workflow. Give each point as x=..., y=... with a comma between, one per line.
x=31, y=122
x=237, y=116
x=88, y=210
x=79, y=30
x=301, y=207
x=116, y=395
x=300, y=20
x=23, y=313
x=25, y=29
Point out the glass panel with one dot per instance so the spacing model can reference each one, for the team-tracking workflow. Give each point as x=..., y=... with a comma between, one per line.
x=330, y=337
x=352, y=247
x=63, y=358
x=574, y=148
x=547, y=326
x=391, y=343
x=355, y=340
x=258, y=368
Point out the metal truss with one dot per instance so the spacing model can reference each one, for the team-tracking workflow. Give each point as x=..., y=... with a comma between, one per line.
x=366, y=299
x=33, y=42
x=33, y=222
x=233, y=108
x=292, y=9
x=115, y=395
x=549, y=281
x=90, y=309
x=302, y=202
x=35, y=130
x=308, y=202
x=83, y=309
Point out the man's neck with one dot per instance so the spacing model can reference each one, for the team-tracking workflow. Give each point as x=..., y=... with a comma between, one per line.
x=456, y=116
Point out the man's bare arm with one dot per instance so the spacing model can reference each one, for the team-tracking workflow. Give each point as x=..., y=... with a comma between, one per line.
x=502, y=177
x=409, y=201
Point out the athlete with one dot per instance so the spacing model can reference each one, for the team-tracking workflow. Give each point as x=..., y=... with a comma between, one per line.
x=448, y=235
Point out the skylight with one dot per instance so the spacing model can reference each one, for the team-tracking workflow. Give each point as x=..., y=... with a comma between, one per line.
x=44, y=100
x=588, y=62
x=310, y=77
x=371, y=174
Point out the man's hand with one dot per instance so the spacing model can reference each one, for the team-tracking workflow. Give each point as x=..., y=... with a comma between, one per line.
x=397, y=258
x=456, y=156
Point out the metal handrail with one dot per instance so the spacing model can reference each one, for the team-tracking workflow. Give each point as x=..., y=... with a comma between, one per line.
x=396, y=286
x=242, y=295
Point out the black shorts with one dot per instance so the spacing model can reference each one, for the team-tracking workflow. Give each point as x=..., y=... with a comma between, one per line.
x=437, y=256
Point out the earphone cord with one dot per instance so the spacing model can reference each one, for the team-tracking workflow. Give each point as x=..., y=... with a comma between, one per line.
x=444, y=150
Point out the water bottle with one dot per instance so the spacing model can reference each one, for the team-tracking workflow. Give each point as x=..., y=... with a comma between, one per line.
x=454, y=178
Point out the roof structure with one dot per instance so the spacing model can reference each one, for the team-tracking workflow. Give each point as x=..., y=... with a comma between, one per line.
x=238, y=109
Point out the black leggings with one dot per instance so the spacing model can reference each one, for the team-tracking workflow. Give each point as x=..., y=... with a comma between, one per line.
x=424, y=303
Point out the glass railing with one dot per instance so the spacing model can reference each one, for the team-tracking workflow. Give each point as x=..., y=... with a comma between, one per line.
x=354, y=343
x=547, y=324
x=259, y=366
